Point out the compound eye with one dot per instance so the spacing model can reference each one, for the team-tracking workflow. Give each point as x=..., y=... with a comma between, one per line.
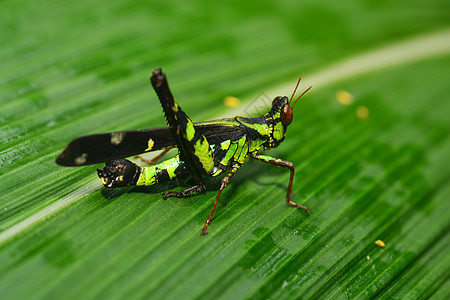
x=286, y=115
x=276, y=99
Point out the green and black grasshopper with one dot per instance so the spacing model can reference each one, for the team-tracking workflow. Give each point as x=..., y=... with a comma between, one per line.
x=205, y=149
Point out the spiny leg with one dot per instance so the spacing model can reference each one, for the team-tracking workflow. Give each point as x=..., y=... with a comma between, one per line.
x=195, y=189
x=224, y=183
x=154, y=159
x=284, y=164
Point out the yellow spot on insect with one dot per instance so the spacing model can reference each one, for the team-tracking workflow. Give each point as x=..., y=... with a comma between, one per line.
x=380, y=243
x=103, y=180
x=175, y=107
x=225, y=145
x=231, y=101
x=344, y=97
x=81, y=159
x=190, y=131
x=151, y=143
x=203, y=152
x=362, y=112
x=117, y=137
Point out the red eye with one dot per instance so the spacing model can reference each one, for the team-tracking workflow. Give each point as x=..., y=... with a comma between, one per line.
x=276, y=99
x=286, y=115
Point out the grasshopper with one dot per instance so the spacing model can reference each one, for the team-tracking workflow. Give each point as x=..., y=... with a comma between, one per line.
x=207, y=148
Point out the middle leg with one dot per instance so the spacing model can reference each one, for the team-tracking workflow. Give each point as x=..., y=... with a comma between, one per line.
x=224, y=183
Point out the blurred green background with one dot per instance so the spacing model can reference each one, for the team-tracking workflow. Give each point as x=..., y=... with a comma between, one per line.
x=374, y=168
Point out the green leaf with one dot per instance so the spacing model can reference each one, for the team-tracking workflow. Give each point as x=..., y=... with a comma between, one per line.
x=376, y=169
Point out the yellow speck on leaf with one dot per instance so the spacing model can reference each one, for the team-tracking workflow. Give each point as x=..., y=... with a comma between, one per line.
x=362, y=112
x=231, y=101
x=344, y=97
x=380, y=243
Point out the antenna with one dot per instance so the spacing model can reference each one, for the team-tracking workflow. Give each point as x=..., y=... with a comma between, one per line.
x=298, y=82
x=301, y=96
